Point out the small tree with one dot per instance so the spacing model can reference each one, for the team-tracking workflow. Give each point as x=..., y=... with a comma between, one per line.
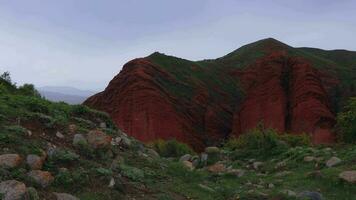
x=346, y=122
x=6, y=76
x=28, y=90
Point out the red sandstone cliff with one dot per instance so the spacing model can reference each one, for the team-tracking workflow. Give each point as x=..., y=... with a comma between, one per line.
x=196, y=102
x=287, y=94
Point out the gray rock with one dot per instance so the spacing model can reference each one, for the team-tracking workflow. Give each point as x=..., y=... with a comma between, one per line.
x=289, y=193
x=42, y=178
x=116, y=141
x=257, y=165
x=13, y=190
x=188, y=165
x=333, y=161
x=98, y=139
x=186, y=157
x=59, y=135
x=152, y=153
x=103, y=125
x=207, y=188
x=204, y=158
x=79, y=139
x=348, y=176
x=309, y=158
x=310, y=195
x=65, y=196
x=10, y=160
x=34, y=161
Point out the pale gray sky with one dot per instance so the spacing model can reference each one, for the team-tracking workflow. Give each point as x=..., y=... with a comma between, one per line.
x=84, y=43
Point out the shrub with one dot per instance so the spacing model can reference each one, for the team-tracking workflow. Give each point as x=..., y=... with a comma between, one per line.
x=171, y=148
x=28, y=90
x=63, y=156
x=346, y=122
x=132, y=173
x=257, y=142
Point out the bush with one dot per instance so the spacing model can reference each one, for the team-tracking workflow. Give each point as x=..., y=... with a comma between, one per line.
x=171, y=148
x=346, y=122
x=28, y=90
x=258, y=142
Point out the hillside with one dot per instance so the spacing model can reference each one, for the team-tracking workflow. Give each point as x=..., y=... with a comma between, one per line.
x=56, y=151
x=290, y=89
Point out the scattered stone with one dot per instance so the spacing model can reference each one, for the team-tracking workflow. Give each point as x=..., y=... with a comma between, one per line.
x=98, y=139
x=112, y=182
x=271, y=185
x=29, y=133
x=204, y=158
x=212, y=150
x=283, y=173
x=103, y=125
x=281, y=164
x=309, y=158
x=257, y=165
x=348, y=176
x=42, y=178
x=13, y=190
x=116, y=141
x=65, y=196
x=236, y=172
x=186, y=157
x=195, y=160
x=34, y=161
x=310, y=195
x=217, y=168
x=333, y=161
x=289, y=193
x=32, y=193
x=188, y=165
x=207, y=188
x=10, y=160
x=79, y=139
x=152, y=153
x=59, y=135
x=126, y=142
x=72, y=128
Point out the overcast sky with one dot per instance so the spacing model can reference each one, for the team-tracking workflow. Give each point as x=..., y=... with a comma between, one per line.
x=84, y=43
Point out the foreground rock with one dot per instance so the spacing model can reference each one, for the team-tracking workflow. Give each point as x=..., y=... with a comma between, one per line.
x=98, y=139
x=64, y=196
x=348, y=176
x=333, y=161
x=42, y=178
x=13, y=190
x=34, y=161
x=10, y=160
x=217, y=168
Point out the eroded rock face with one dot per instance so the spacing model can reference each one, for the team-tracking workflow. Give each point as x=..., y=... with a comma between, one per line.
x=282, y=91
x=287, y=94
x=142, y=108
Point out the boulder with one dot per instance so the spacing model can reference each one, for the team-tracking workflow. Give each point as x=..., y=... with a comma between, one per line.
x=65, y=196
x=257, y=165
x=152, y=153
x=217, y=168
x=13, y=190
x=59, y=135
x=188, y=165
x=309, y=158
x=333, y=161
x=34, y=161
x=348, y=176
x=185, y=157
x=42, y=178
x=98, y=139
x=310, y=195
x=10, y=160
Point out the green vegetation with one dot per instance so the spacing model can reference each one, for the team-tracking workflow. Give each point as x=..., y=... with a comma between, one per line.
x=171, y=148
x=346, y=122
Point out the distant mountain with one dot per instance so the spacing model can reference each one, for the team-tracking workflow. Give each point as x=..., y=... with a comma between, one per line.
x=66, y=94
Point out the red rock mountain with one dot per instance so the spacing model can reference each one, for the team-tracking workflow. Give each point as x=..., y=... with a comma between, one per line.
x=295, y=90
